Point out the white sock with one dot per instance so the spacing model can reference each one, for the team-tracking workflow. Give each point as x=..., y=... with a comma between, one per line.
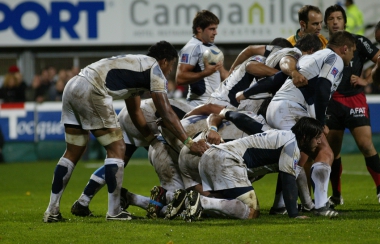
x=320, y=175
x=279, y=201
x=55, y=198
x=303, y=188
x=232, y=208
x=114, y=197
x=139, y=201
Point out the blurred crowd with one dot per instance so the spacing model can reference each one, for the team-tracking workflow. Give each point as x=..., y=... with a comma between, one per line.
x=47, y=85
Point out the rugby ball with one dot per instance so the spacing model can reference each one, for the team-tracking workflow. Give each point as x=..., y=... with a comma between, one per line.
x=213, y=55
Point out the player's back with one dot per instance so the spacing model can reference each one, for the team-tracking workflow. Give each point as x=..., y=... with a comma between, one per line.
x=323, y=63
x=125, y=75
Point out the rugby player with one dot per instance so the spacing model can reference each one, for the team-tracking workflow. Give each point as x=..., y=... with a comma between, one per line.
x=87, y=106
x=133, y=139
x=323, y=70
x=348, y=107
x=278, y=150
x=201, y=77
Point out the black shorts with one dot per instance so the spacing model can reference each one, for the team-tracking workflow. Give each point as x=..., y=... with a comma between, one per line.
x=347, y=112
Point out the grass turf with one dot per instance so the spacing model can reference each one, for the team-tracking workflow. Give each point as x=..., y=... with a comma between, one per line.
x=25, y=190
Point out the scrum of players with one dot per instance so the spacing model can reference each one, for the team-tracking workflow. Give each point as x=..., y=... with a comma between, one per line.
x=267, y=114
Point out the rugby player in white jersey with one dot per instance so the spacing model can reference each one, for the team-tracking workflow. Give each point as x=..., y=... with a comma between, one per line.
x=286, y=59
x=164, y=157
x=201, y=77
x=243, y=123
x=241, y=78
x=133, y=139
x=87, y=106
x=262, y=153
x=323, y=70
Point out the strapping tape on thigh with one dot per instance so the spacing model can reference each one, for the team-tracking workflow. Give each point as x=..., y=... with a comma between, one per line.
x=77, y=140
x=113, y=136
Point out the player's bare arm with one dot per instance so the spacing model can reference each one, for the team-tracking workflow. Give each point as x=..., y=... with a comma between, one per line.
x=288, y=65
x=205, y=109
x=359, y=81
x=137, y=116
x=172, y=123
x=376, y=71
x=247, y=53
x=185, y=74
x=259, y=69
x=213, y=122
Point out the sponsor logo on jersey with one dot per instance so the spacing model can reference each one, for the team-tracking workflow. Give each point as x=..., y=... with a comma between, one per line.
x=366, y=45
x=358, y=112
x=258, y=59
x=334, y=71
x=185, y=58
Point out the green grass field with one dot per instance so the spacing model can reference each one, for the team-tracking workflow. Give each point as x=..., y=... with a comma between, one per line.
x=25, y=189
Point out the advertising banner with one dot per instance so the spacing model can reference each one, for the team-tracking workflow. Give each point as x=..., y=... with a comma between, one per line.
x=35, y=122
x=41, y=122
x=119, y=22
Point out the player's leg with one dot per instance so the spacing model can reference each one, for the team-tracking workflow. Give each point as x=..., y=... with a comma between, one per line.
x=164, y=160
x=96, y=182
x=76, y=140
x=320, y=174
x=231, y=208
x=335, y=139
x=363, y=138
x=112, y=140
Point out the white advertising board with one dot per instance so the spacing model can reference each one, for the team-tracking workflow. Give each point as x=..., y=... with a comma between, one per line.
x=131, y=22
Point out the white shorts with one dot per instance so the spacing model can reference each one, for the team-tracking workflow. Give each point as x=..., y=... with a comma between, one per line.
x=131, y=134
x=284, y=114
x=252, y=105
x=165, y=162
x=88, y=106
x=213, y=100
x=220, y=171
x=188, y=166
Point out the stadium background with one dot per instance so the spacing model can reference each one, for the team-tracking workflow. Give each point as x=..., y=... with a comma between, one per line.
x=41, y=33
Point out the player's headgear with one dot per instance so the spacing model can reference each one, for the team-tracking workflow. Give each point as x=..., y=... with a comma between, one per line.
x=162, y=50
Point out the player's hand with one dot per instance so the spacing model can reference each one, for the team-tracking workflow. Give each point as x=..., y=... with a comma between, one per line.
x=357, y=81
x=160, y=122
x=240, y=96
x=213, y=137
x=298, y=79
x=211, y=69
x=301, y=217
x=199, y=147
x=326, y=130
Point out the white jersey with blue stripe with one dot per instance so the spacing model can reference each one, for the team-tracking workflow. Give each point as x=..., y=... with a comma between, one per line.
x=192, y=53
x=238, y=80
x=321, y=64
x=126, y=76
x=272, y=147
